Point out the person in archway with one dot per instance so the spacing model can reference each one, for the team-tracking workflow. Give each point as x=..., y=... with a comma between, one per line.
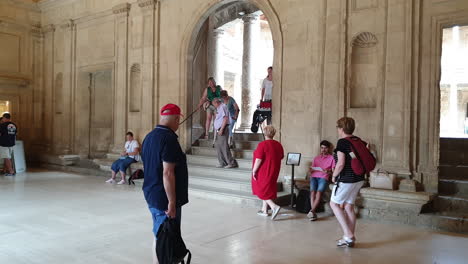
x=233, y=109
x=211, y=92
x=221, y=125
x=267, y=86
x=8, y=131
x=265, y=171
x=348, y=183
x=128, y=156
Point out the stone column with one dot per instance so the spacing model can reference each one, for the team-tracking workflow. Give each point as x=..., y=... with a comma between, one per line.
x=37, y=86
x=217, y=69
x=48, y=84
x=68, y=27
x=120, y=90
x=247, y=71
x=149, y=67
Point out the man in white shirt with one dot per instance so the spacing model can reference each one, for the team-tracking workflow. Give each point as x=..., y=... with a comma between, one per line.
x=127, y=157
x=267, y=86
x=221, y=124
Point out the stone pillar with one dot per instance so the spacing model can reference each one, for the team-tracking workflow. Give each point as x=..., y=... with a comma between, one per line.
x=149, y=66
x=68, y=28
x=120, y=90
x=37, y=86
x=217, y=69
x=247, y=71
x=48, y=84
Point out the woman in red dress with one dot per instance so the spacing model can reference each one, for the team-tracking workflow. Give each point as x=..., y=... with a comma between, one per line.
x=266, y=167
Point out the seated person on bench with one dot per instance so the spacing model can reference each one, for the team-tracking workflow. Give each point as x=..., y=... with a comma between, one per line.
x=127, y=157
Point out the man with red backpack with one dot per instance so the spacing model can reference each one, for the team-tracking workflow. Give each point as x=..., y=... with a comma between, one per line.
x=353, y=161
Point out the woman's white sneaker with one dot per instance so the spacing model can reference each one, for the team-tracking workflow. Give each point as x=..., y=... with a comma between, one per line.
x=110, y=180
x=121, y=182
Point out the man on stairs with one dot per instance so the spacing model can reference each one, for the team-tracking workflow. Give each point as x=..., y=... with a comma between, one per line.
x=221, y=125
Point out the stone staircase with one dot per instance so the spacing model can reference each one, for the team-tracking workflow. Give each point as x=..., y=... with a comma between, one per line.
x=207, y=181
x=451, y=205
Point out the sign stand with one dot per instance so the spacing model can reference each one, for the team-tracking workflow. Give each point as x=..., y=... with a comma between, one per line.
x=294, y=159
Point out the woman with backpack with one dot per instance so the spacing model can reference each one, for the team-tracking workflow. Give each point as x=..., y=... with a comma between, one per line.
x=347, y=182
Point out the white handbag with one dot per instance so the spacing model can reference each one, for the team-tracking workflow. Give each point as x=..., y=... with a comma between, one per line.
x=382, y=179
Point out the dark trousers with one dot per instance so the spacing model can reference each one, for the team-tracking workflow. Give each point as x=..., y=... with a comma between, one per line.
x=122, y=164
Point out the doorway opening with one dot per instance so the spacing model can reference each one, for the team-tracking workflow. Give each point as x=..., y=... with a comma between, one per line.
x=235, y=46
x=453, y=99
x=4, y=106
x=454, y=83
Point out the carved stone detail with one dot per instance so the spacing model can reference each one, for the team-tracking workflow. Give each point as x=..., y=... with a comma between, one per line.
x=121, y=9
x=67, y=24
x=147, y=4
x=48, y=28
x=364, y=40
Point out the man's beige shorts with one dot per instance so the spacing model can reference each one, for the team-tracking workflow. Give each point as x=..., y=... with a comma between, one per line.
x=6, y=152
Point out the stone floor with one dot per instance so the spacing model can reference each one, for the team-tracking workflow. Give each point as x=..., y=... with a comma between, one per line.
x=55, y=217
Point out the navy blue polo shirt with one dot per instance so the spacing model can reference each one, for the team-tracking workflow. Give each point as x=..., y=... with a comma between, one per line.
x=161, y=145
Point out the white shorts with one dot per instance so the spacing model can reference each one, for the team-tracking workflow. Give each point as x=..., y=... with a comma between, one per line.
x=6, y=152
x=346, y=193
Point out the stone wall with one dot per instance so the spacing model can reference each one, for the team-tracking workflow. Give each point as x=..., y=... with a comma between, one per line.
x=375, y=60
x=21, y=70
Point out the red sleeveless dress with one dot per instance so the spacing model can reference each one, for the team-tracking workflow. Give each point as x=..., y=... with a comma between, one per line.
x=271, y=153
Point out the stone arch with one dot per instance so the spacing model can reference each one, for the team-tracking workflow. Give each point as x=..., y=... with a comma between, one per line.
x=135, y=88
x=187, y=55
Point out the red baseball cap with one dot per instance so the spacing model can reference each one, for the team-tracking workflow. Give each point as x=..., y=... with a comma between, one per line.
x=170, y=109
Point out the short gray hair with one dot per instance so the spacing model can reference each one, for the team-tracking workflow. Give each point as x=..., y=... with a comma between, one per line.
x=217, y=99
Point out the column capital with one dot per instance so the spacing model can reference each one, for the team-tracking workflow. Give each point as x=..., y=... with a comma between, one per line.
x=147, y=4
x=218, y=32
x=67, y=24
x=48, y=28
x=121, y=9
x=250, y=18
x=37, y=31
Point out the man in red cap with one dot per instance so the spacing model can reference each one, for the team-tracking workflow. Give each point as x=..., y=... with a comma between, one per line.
x=165, y=165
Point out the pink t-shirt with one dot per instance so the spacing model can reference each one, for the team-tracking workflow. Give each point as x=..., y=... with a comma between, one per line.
x=326, y=162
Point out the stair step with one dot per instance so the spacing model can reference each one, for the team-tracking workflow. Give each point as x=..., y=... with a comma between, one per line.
x=451, y=203
x=211, y=171
x=237, y=197
x=213, y=161
x=447, y=221
x=236, y=153
x=451, y=187
x=244, y=136
x=228, y=195
x=453, y=172
x=225, y=183
x=248, y=145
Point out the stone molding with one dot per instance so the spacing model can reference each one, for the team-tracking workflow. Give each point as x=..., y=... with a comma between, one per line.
x=122, y=9
x=48, y=28
x=217, y=33
x=67, y=24
x=147, y=4
x=37, y=31
x=250, y=18
x=364, y=40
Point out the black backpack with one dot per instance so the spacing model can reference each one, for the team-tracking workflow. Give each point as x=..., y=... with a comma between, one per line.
x=138, y=174
x=170, y=247
x=303, y=202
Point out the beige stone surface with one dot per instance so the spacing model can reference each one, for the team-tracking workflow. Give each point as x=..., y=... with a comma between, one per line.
x=53, y=217
x=388, y=83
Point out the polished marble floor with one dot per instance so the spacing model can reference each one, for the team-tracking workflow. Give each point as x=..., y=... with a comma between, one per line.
x=54, y=217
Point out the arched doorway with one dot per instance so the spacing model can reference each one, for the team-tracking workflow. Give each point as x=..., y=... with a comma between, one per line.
x=211, y=51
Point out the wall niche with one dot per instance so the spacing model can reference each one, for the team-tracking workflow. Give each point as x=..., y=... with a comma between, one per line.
x=58, y=93
x=363, y=71
x=135, y=88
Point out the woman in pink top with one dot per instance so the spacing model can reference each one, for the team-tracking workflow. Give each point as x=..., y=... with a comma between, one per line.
x=320, y=171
